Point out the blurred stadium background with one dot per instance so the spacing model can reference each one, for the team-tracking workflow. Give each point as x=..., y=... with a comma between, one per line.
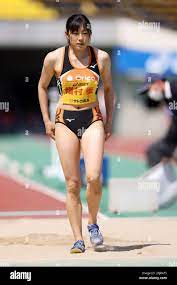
x=139, y=35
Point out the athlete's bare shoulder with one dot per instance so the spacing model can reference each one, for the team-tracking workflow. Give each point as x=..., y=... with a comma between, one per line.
x=54, y=59
x=102, y=56
x=54, y=56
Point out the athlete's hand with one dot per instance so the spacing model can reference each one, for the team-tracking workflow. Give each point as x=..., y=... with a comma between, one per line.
x=108, y=130
x=50, y=129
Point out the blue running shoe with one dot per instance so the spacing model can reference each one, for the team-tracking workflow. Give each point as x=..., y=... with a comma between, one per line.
x=78, y=247
x=96, y=237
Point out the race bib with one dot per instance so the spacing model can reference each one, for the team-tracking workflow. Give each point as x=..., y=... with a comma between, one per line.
x=78, y=93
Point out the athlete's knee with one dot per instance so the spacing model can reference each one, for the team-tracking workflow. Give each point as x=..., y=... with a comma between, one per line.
x=94, y=184
x=73, y=185
x=93, y=178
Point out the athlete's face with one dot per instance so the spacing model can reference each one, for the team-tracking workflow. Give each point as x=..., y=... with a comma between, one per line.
x=79, y=39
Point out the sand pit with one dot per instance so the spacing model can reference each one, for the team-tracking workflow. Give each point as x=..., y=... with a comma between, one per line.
x=128, y=242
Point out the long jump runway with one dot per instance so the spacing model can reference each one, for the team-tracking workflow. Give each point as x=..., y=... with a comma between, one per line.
x=35, y=232
x=20, y=198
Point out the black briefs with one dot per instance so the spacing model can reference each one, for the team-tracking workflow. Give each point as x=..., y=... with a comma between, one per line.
x=78, y=121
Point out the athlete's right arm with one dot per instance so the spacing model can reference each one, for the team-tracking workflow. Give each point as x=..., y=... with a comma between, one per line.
x=44, y=81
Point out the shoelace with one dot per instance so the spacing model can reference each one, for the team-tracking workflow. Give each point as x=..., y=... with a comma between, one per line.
x=79, y=242
x=94, y=231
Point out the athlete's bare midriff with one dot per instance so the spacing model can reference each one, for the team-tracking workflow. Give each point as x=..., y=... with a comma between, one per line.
x=77, y=107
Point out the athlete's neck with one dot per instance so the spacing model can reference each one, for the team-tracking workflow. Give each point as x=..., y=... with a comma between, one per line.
x=80, y=54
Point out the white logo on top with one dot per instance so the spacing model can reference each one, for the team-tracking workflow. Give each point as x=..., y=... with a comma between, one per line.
x=88, y=78
x=69, y=120
x=80, y=77
x=93, y=66
x=69, y=78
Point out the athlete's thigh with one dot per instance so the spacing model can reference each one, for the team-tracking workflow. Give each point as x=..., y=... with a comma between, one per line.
x=92, y=144
x=68, y=146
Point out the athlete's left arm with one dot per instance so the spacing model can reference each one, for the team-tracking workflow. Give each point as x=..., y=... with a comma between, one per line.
x=109, y=93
